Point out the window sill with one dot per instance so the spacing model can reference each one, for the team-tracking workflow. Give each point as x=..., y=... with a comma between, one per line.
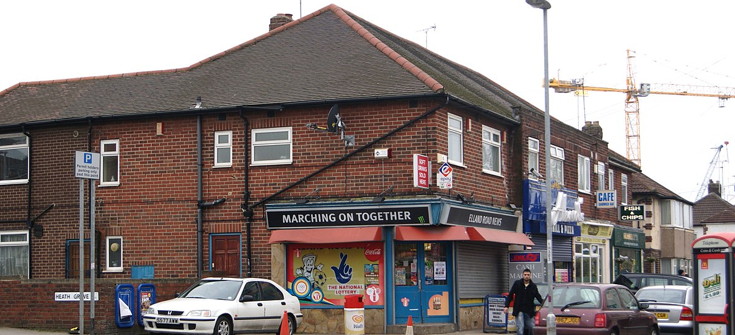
x=271, y=163
x=108, y=185
x=221, y=166
x=114, y=271
x=492, y=173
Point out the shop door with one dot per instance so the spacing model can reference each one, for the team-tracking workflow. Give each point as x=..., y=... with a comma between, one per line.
x=226, y=255
x=423, y=282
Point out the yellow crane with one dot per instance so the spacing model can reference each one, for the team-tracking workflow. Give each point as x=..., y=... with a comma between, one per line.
x=632, y=92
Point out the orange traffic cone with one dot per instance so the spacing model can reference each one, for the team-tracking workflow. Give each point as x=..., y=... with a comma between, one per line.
x=284, y=329
x=409, y=326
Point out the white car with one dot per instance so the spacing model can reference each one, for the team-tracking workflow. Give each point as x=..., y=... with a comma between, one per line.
x=225, y=306
x=673, y=306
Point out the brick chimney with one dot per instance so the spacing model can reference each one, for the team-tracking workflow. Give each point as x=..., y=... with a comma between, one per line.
x=279, y=20
x=714, y=187
x=592, y=128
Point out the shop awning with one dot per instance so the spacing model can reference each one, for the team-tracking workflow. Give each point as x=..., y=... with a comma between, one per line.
x=432, y=233
x=460, y=233
x=326, y=235
x=500, y=236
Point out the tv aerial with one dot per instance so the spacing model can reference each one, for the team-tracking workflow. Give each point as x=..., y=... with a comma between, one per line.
x=334, y=125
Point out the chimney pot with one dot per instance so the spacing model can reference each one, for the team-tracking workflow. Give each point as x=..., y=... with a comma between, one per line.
x=592, y=128
x=279, y=20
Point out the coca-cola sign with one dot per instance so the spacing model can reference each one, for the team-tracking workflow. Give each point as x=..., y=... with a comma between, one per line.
x=373, y=252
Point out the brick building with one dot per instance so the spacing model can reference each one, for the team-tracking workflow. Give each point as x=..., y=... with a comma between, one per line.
x=319, y=144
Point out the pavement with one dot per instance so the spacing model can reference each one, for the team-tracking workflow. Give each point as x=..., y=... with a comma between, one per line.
x=23, y=331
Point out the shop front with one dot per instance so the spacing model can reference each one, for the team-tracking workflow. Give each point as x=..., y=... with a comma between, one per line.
x=565, y=229
x=591, y=252
x=407, y=258
x=628, y=244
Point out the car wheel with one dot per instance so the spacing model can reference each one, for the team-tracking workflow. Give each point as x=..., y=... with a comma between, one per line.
x=223, y=326
x=654, y=331
x=614, y=332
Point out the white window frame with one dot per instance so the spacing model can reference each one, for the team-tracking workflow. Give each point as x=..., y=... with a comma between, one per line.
x=493, y=141
x=456, y=132
x=610, y=179
x=600, y=176
x=220, y=145
x=261, y=144
x=533, y=158
x=623, y=189
x=104, y=153
x=108, y=266
x=583, y=174
x=18, y=244
x=23, y=146
x=557, y=164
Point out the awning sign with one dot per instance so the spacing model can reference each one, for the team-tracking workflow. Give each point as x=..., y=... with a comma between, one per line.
x=347, y=216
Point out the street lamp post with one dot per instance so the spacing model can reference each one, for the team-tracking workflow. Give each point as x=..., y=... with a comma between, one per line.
x=550, y=318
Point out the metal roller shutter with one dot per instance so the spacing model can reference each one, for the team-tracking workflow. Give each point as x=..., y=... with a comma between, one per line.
x=562, y=246
x=482, y=269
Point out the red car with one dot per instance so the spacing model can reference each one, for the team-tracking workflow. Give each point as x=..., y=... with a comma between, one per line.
x=608, y=309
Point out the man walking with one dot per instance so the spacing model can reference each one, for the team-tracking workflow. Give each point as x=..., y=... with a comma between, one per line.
x=523, y=292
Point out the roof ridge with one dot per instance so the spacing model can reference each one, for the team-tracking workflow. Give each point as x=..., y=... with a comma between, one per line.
x=174, y=70
x=343, y=15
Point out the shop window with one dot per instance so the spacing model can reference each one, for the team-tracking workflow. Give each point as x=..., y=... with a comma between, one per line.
x=14, y=253
x=13, y=159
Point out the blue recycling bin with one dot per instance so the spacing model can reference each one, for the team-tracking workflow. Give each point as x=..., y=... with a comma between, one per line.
x=146, y=298
x=125, y=305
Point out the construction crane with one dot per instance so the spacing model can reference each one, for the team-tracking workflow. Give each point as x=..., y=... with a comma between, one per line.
x=712, y=164
x=632, y=92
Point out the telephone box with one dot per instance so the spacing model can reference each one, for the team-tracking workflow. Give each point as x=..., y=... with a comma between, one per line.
x=713, y=278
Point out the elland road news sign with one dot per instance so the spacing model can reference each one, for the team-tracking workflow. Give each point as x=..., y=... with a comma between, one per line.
x=632, y=212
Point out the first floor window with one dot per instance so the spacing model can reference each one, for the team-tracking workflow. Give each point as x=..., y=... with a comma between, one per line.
x=14, y=253
x=272, y=146
x=13, y=159
x=114, y=253
x=623, y=189
x=454, y=140
x=600, y=176
x=110, y=153
x=533, y=150
x=223, y=149
x=557, y=164
x=490, y=150
x=583, y=174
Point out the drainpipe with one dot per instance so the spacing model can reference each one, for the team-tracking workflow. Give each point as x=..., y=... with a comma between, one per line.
x=29, y=222
x=247, y=212
x=199, y=196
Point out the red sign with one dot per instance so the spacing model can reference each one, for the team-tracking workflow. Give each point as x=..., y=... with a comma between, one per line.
x=420, y=171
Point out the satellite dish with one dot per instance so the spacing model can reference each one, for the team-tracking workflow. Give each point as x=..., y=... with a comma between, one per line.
x=333, y=120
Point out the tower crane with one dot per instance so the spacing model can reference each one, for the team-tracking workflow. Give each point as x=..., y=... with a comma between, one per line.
x=632, y=92
x=712, y=165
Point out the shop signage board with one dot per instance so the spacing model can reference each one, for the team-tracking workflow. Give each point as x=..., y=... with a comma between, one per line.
x=348, y=216
x=632, y=212
x=478, y=218
x=444, y=176
x=606, y=199
x=421, y=175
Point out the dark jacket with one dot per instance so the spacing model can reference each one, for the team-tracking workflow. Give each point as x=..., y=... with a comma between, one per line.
x=523, y=296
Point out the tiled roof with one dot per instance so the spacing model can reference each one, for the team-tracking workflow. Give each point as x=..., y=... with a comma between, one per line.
x=642, y=184
x=713, y=209
x=329, y=55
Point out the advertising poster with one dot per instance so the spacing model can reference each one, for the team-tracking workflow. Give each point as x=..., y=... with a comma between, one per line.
x=321, y=274
x=712, y=283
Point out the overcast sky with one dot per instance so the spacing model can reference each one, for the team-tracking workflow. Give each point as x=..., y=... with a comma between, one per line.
x=675, y=42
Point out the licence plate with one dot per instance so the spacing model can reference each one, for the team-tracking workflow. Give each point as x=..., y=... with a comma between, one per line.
x=168, y=321
x=567, y=320
x=661, y=315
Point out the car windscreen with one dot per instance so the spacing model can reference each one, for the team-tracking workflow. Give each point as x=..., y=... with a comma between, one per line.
x=662, y=295
x=577, y=296
x=213, y=289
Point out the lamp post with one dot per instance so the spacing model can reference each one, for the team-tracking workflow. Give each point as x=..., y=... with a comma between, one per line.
x=550, y=318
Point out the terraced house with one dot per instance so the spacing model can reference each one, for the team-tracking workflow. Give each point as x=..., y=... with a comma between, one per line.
x=326, y=144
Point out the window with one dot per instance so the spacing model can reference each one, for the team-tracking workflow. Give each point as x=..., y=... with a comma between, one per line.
x=223, y=149
x=583, y=174
x=454, y=140
x=14, y=253
x=610, y=179
x=533, y=150
x=623, y=189
x=270, y=292
x=13, y=159
x=490, y=150
x=557, y=164
x=272, y=146
x=114, y=253
x=110, y=152
x=600, y=176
